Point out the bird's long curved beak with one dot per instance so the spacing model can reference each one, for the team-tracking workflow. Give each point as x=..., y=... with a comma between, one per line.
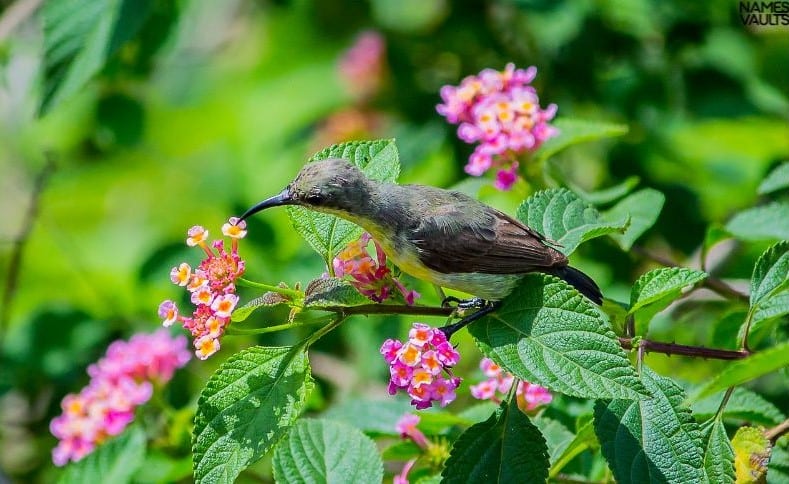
x=283, y=198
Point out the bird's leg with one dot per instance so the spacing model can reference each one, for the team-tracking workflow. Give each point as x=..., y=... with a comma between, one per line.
x=486, y=308
x=472, y=303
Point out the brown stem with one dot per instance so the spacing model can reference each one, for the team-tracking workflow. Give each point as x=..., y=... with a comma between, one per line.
x=776, y=432
x=710, y=282
x=20, y=241
x=684, y=350
x=391, y=309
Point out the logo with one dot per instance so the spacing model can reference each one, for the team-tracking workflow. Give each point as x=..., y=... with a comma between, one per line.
x=764, y=14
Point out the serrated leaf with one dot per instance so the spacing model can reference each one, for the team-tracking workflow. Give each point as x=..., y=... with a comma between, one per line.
x=246, y=407
x=116, y=460
x=562, y=217
x=610, y=194
x=643, y=207
x=505, y=448
x=325, y=451
x=545, y=332
x=655, y=290
x=777, y=179
x=322, y=293
x=557, y=436
x=79, y=37
x=778, y=469
x=747, y=369
x=374, y=416
x=718, y=453
x=743, y=405
x=770, y=310
x=576, y=131
x=268, y=299
x=751, y=454
x=584, y=439
x=771, y=272
x=328, y=234
x=761, y=223
x=652, y=440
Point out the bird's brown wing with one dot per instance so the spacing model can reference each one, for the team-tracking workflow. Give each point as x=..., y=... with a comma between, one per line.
x=471, y=237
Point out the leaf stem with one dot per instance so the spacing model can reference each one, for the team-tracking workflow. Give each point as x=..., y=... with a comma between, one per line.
x=268, y=287
x=710, y=282
x=685, y=350
x=747, y=329
x=777, y=432
x=723, y=403
x=236, y=331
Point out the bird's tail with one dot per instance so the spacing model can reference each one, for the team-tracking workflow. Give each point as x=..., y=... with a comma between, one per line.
x=580, y=281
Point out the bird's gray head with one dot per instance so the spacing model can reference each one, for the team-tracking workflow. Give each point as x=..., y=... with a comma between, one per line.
x=333, y=185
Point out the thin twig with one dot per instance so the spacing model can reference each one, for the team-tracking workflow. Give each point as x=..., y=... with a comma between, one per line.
x=777, y=432
x=710, y=282
x=20, y=241
x=684, y=350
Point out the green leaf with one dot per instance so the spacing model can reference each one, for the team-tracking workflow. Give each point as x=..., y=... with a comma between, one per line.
x=770, y=310
x=610, y=194
x=743, y=405
x=79, y=37
x=372, y=416
x=545, y=332
x=771, y=272
x=718, y=453
x=747, y=369
x=505, y=448
x=584, y=439
x=779, y=465
x=751, y=454
x=643, y=208
x=325, y=451
x=778, y=179
x=322, y=293
x=761, y=223
x=114, y=461
x=268, y=299
x=655, y=290
x=328, y=234
x=561, y=216
x=652, y=440
x=576, y=131
x=246, y=407
x=557, y=436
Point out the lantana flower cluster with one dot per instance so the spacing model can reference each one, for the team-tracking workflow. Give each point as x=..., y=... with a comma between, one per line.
x=501, y=111
x=499, y=382
x=369, y=276
x=418, y=366
x=212, y=287
x=123, y=379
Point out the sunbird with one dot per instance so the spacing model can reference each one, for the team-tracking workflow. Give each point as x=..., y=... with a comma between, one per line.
x=441, y=236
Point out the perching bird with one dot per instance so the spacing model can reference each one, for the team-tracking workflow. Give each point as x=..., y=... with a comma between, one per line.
x=441, y=236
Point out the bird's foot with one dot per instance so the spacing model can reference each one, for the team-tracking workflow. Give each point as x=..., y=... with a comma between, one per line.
x=473, y=303
x=485, y=308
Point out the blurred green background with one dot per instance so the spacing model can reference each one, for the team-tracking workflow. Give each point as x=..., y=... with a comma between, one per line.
x=214, y=105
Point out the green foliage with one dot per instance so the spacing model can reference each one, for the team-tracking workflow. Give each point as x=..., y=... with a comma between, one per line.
x=718, y=453
x=651, y=440
x=575, y=131
x=332, y=292
x=328, y=234
x=505, y=448
x=643, y=208
x=656, y=289
x=116, y=460
x=761, y=223
x=743, y=406
x=80, y=36
x=771, y=273
x=326, y=451
x=246, y=407
x=742, y=371
x=777, y=179
x=562, y=217
x=547, y=333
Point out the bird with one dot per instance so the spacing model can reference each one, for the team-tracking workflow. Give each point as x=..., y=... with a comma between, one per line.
x=441, y=236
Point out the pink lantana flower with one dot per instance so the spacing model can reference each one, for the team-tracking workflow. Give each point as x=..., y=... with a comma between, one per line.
x=529, y=396
x=211, y=285
x=421, y=366
x=500, y=111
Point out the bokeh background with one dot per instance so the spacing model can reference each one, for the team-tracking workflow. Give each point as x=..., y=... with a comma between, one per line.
x=216, y=105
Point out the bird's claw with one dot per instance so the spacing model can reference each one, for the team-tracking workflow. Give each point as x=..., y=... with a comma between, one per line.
x=473, y=303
